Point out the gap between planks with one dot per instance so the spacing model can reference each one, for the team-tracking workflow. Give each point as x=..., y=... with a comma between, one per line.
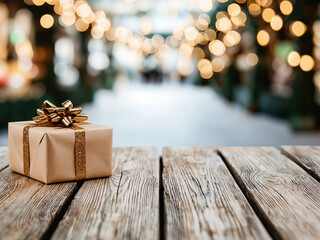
x=285, y=195
x=162, y=228
x=123, y=206
x=202, y=200
x=307, y=157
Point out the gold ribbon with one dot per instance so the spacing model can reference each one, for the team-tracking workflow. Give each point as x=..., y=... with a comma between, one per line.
x=67, y=115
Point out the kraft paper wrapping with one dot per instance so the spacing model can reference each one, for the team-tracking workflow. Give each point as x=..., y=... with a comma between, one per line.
x=52, y=157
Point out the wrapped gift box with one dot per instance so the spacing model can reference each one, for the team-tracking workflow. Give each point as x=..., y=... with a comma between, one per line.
x=54, y=154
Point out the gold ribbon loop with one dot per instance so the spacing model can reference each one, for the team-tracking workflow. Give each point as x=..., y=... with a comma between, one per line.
x=67, y=114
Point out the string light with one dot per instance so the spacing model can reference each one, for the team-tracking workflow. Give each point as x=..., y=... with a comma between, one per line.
x=232, y=38
x=252, y=59
x=298, y=28
x=217, y=64
x=234, y=9
x=276, y=23
x=306, y=63
x=293, y=59
x=268, y=14
x=46, y=21
x=254, y=9
x=224, y=24
x=263, y=38
x=286, y=7
x=186, y=38
x=217, y=47
x=39, y=2
x=82, y=25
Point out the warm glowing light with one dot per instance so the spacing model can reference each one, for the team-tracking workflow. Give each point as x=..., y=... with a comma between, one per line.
x=191, y=33
x=254, y=9
x=66, y=3
x=82, y=25
x=293, y=59
x=97, y=32
x=306, y=63
x=157, y=40
x=206, y=74
x=221, y=14
x=252, y=59
x=276, y=23
x=185, y=49
x=239, y=20
x=210, y=34
x=58, y=9
x=231, y=38
x=223, y=24
x=46, y=21
x=146, y=25
x=82, y=9
x=316, y=28
x=286, y=7
x=24, y=49
x=198, y=53
x=147, y=46
x=217, y=64
x=234, y=9
x=203, y=22
x=68, y=18
x=263, y=38
x=205, y=5
x=298, y=28
x=102, y=21
x=39, y=2
x=265, y=3
x=52, y=2
x=185, y=66
x=217, y=47
x=268, y=14
x=203, y=63
x=316, y=79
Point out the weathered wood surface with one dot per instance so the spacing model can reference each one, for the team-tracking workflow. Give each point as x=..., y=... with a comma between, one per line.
x=202, y=200
x=28, y=207
x=4, y=158
x=123, y=206
x=307, y=157
x=286, y=196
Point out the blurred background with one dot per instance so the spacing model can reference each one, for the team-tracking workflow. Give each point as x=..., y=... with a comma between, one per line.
x=167, y=72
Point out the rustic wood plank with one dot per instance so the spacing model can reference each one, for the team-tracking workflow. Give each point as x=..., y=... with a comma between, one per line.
x=124, y=206
x=4, y=157
x=202, y=200
x=28, y=207
x=287, y=197
x=307, y=157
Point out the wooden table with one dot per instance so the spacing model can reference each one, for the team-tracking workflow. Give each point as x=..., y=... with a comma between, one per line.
x=188, y=193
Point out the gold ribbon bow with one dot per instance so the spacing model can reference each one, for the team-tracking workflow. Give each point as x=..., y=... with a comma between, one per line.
x=67, y=114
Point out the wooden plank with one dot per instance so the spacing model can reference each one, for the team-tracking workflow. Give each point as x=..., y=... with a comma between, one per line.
x=202, y=200
x=286, y=197
x=4, y=157
x=307, y=157
x=124, y=206
x=28, y=207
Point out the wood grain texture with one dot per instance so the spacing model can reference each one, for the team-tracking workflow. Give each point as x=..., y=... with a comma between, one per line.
x=124, y=206
x=307, y=157
x=27, y=207
x=202, y=200
x=286, y=197
x=4, y=157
